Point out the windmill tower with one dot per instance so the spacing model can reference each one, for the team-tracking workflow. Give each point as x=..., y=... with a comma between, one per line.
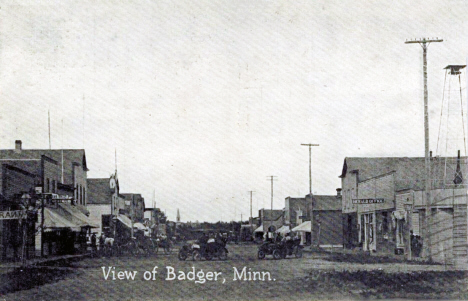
x=178, y=216
x=451, y=140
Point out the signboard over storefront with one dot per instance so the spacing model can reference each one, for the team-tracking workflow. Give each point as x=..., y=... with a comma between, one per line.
x=368, y=201
x=17, y=214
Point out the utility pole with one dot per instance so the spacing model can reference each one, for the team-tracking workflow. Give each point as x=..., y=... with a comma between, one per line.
x=310, y=188
x=50, y=144
x=424, y=43
x=310, y=164
x=251, y=218
x=272, y=178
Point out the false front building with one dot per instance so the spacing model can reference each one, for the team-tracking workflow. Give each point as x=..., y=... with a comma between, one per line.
x=384, y=206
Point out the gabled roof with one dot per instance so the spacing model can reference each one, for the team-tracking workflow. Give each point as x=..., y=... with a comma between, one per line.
x=99, y=191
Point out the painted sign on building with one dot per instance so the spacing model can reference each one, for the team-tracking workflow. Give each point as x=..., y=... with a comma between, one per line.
x=17, y=214
x=368, y=201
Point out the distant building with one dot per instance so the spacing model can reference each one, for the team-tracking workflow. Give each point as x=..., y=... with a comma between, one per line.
x=326, y=219
x=269, y=220
x=134, y=206
x=296, y=211
x=103, y=199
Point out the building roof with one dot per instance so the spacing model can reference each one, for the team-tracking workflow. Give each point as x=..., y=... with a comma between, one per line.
x=409, y=170
x=129, y=196
x=325, y=202
x=99, y=191
x=70, y=157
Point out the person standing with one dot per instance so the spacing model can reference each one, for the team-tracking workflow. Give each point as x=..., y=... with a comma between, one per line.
x=93, y=244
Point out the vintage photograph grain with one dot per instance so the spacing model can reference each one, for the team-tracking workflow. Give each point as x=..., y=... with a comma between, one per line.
x=233, y=150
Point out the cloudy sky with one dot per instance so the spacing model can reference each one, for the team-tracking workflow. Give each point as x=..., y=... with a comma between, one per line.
x=204, y=99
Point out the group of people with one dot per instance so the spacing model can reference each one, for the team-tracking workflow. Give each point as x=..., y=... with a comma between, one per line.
x=212, y=238
x=277, y=237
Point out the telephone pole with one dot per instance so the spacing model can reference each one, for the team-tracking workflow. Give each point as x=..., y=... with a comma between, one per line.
x=251, y=218
x=48, y=114
x=424, y=43
x=310, y=164
x=271, y=178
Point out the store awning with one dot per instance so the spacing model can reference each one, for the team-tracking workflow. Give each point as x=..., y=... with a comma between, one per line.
x=125, y=220
x=75, y=215
x=83, y=209
x=259, y=229
x=54, y=220
x=283, y=230
x=304, y=227
x=139, y=226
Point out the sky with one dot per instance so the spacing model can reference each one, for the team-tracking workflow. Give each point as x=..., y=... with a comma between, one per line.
x=203, y=100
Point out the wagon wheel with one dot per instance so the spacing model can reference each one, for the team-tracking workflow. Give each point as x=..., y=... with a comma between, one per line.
x=152, y=247
x=182, y=255
x=261, y=254
x=284, y=253
x=298, y=252
x=277, y=254
x=167, y=248
x=196, y=255
x=223, y=254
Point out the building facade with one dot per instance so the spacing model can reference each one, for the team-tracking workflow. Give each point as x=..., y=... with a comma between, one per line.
x=326, y=220
x=295, y=211
x=58, y=175
x=134, y=207
x=384, y=202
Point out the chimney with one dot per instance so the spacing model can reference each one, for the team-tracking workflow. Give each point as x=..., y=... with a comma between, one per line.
x=18, y=145
x=338, y=192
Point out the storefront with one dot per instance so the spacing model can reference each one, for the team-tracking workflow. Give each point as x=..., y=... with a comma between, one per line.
x=449, y=239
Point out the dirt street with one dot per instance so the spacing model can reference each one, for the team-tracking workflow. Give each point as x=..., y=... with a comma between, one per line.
x=241, y=277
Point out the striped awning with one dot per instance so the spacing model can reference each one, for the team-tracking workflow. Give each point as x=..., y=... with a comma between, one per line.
x=54, y=220
x=76, y=215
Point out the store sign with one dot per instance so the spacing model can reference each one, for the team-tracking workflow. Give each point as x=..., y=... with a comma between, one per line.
x=17, y=214
x=368, y=201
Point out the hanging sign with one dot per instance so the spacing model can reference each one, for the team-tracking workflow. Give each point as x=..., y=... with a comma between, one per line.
x=17, y=214
x=368, y=201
